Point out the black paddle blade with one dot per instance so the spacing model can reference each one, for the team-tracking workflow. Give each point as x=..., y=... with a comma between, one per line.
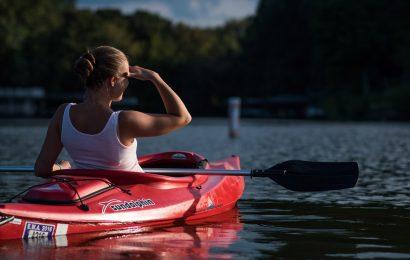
x=315, y=176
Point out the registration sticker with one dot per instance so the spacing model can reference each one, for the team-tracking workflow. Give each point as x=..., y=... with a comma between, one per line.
x=37, y=230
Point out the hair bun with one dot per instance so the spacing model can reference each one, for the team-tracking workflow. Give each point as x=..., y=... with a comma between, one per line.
x=95, y=66
x=88, y=56
x=85, y=65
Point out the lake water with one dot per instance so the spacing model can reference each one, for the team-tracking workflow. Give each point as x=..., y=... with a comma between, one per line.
x=371, y=220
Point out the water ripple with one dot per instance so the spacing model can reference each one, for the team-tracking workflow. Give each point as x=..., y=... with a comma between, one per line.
x=370, y=220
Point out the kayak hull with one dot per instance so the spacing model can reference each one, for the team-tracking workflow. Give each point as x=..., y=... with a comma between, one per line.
x=132, y=200
x=194, y=238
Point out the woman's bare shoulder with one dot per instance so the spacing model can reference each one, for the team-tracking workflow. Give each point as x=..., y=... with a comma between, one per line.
x=57, y=118
x=60, y=110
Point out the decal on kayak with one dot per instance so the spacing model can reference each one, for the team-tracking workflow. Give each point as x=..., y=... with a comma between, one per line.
x=16, y=221
x=106, y=204
x=38, y=230
x=118, y=205
x=61, y=229
x=5, y=219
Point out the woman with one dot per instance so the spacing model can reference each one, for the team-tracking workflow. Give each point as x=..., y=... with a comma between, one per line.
x=93, y=134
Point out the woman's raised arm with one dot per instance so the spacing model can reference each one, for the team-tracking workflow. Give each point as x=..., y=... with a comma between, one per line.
x=138, y=124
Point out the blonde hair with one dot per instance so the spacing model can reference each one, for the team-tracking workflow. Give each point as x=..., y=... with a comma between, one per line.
x=95, y=66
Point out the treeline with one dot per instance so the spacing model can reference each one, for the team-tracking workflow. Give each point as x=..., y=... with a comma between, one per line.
x=349, y=57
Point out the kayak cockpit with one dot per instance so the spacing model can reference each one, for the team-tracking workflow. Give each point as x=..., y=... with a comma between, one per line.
x=74, y=185
x=175, y=159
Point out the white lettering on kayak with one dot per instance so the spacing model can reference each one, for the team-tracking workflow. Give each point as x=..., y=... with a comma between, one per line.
x=118, y=205
x=105, y=204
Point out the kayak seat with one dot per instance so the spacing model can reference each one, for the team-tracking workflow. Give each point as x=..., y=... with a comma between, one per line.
x=174, y=159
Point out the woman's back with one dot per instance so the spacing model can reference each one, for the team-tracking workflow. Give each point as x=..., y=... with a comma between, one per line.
x=93, y=143
x=89, y=120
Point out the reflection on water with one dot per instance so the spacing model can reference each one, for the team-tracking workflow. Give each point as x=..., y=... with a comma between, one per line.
x=368, y=221
x=295, y=230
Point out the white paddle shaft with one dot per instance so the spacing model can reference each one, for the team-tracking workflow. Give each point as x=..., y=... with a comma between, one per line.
x=152, y=170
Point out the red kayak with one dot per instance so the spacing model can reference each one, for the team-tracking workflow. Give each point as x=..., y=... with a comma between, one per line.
x=82, y=201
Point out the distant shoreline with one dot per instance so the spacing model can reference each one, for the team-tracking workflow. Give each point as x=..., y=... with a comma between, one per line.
x=198, y=121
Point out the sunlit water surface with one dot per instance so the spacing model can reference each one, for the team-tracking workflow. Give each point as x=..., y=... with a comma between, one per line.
x=371, y=220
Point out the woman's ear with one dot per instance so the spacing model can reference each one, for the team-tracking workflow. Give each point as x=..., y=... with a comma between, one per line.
x=111, y=81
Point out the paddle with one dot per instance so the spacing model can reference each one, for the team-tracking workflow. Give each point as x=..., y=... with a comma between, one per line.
x=294, y=175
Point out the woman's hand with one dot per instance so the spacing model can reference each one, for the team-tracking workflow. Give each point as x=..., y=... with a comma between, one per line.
x=142, y=73
x=64, y=165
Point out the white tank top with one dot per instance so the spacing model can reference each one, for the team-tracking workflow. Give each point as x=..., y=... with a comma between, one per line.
x=98, y=151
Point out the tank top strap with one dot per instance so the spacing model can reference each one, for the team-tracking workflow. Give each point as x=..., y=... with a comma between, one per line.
x=66, y=117
x=116, y=115
x=111, y=124
x=114, y=122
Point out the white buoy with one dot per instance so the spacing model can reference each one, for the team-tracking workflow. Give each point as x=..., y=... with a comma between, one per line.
x=234, y=113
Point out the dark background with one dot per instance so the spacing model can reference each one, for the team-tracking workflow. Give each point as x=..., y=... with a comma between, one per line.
x=348, y=59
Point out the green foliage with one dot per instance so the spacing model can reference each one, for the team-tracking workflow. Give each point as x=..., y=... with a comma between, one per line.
x=344, y=51
x=350, y=56
x=25, y=27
